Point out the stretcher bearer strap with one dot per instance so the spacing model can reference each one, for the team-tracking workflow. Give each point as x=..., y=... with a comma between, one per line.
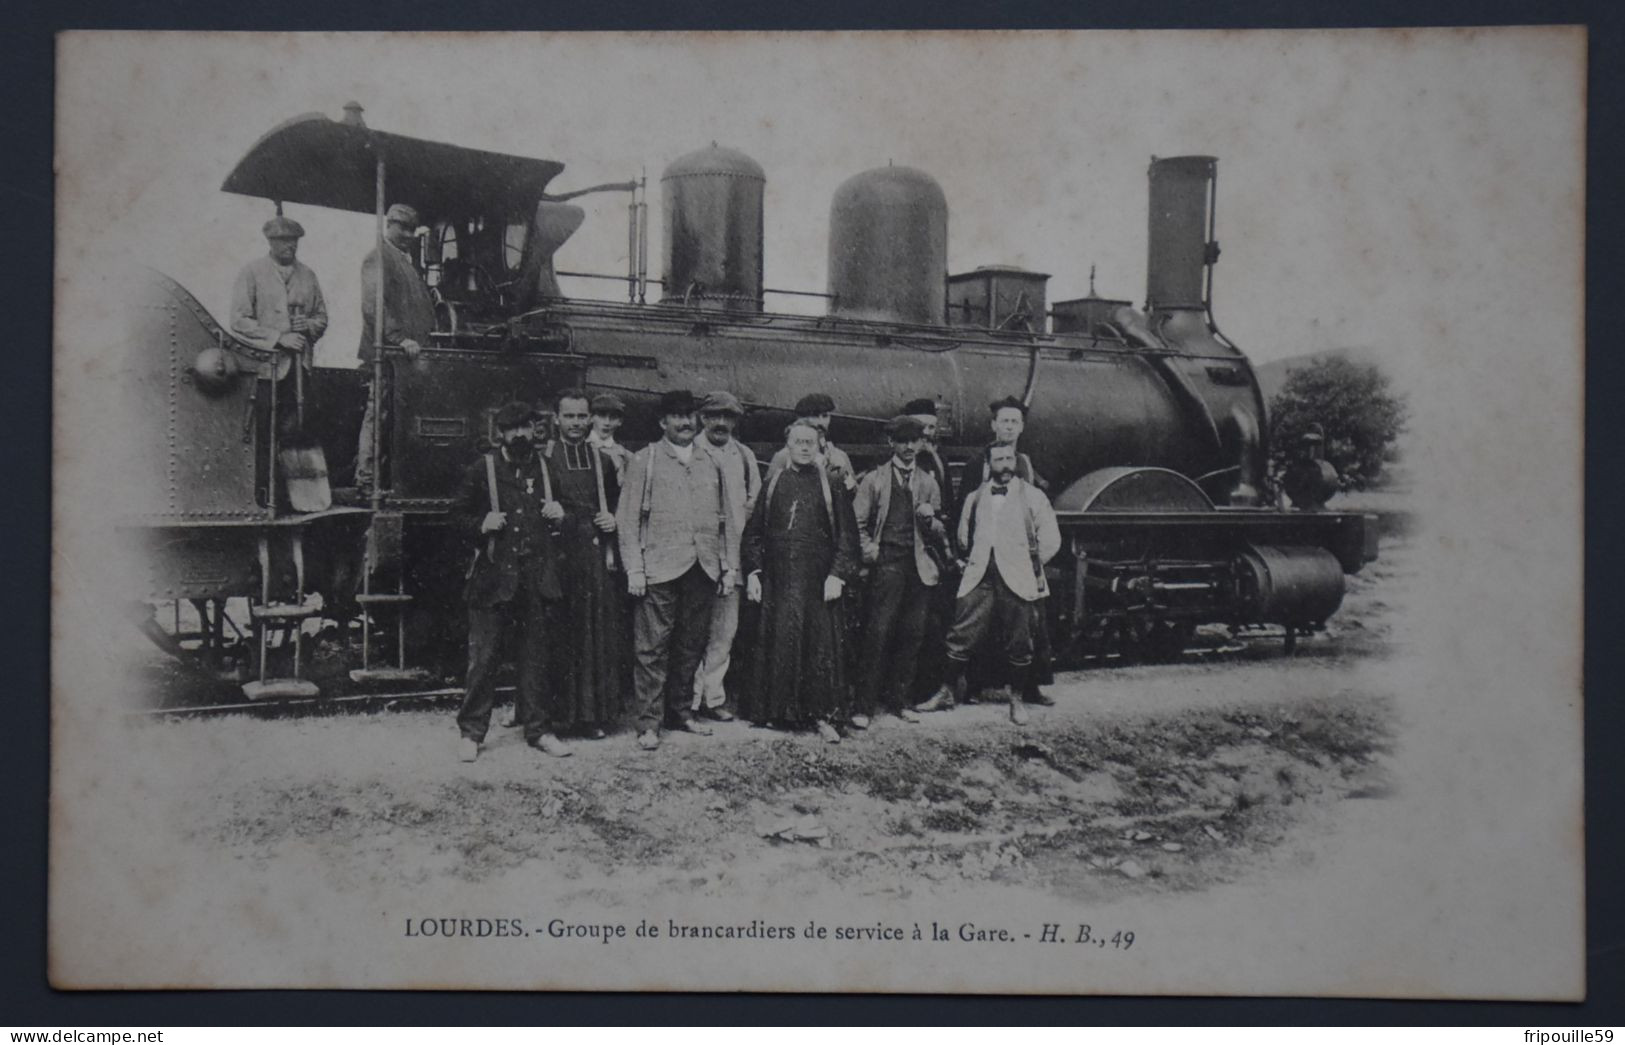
x=491, y=491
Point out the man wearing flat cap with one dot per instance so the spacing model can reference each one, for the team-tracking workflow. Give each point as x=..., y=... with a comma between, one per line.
x=815, y=410
x=276, y=302
x=898, y=510
x=408, y=319
x=608, y=410
x=720, y=413
x=679, y=540
x=507, y=506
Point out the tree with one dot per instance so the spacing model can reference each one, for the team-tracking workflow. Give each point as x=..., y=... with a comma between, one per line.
x=1356, y=408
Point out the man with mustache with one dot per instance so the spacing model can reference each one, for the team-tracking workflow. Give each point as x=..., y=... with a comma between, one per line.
x=507, y=506
x=1008, y=422
x=407, y=320
x=719, y=416
x=1011, y=532
x=679, y=543
x=277, y=304
x=896, y=507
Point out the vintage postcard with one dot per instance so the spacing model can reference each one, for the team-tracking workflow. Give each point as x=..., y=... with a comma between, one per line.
x=1050, y=512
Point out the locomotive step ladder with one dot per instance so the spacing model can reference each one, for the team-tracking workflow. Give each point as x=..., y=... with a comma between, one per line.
x=287, y=619
x=384, y=538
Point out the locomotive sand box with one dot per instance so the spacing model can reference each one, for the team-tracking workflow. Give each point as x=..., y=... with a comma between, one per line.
x=1288, y=748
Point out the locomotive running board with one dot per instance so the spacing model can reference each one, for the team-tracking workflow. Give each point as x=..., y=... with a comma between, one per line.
x=280, y=689
x=388, y=674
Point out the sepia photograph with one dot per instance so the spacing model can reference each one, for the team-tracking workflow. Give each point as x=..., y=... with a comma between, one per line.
x=1070, y=512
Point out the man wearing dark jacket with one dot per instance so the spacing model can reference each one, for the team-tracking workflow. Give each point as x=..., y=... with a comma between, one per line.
x=507, y=506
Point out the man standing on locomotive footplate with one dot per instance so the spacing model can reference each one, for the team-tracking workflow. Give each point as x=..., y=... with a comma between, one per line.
x=679, y=542
x=507, y=505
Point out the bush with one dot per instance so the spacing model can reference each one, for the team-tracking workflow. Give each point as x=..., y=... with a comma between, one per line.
x=1356, y=407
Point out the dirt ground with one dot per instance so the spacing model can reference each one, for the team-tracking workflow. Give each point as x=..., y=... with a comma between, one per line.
x=1142, y=778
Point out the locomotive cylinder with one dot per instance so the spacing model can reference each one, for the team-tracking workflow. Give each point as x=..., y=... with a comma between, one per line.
x=1289, y=584
x=712, y=201
x=888, y=247
x=1178, y=250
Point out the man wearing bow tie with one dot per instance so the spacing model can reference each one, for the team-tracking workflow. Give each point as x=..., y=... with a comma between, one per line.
x=897, y=508
x=1010, y=529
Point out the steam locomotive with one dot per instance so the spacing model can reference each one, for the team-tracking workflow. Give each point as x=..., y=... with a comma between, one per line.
x=1149, y=424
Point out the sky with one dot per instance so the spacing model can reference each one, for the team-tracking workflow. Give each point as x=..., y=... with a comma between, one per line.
x=1362, y=186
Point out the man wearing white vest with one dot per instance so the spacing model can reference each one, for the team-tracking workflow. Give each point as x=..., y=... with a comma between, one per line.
x=1010, y=529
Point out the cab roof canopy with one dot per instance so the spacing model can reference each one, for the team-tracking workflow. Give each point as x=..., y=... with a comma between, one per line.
x=315, y=160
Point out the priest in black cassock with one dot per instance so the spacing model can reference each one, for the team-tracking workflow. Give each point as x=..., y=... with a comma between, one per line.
x=591, y=657
x=800, y=553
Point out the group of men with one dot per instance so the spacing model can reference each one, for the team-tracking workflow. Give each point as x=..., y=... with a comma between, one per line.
x=593, y=560
x=616, y=575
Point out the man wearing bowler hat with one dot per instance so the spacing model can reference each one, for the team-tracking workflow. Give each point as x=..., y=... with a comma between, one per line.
x=679, y=541
x=407, y=321
x=508, y=507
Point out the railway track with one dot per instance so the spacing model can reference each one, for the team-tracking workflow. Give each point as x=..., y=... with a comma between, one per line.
x=362, y=701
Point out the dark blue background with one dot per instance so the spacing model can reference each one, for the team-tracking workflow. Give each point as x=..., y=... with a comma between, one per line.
x=27, y=58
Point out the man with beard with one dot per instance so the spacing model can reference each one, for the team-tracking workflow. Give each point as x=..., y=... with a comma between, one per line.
x=816, y=410
x=680, y=547
x=590, y=649
x=607, y=413
x=896, y=509
x=800, y=553
x=1010, y=529
x=719, y=415
x=1009, y=420
x=408, y=319
x=506, y=505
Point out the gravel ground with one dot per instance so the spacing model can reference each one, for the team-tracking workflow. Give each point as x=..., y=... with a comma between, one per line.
x=1143, y=778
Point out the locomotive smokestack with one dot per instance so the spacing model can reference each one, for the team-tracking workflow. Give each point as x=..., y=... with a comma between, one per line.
x=1181, y=249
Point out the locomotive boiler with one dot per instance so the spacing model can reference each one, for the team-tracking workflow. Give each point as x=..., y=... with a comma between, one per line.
x=1148, y=424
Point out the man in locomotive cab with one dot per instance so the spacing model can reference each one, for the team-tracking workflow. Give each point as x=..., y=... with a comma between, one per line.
x=507, y=506
x=1008, y=421
x=277, y=306
x=897, y=508
x=608, y=410
x=276, y=302
x=719, y=416
x=815, y=410
x=679, y=543
x=1010, y=530
x=407, y=321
